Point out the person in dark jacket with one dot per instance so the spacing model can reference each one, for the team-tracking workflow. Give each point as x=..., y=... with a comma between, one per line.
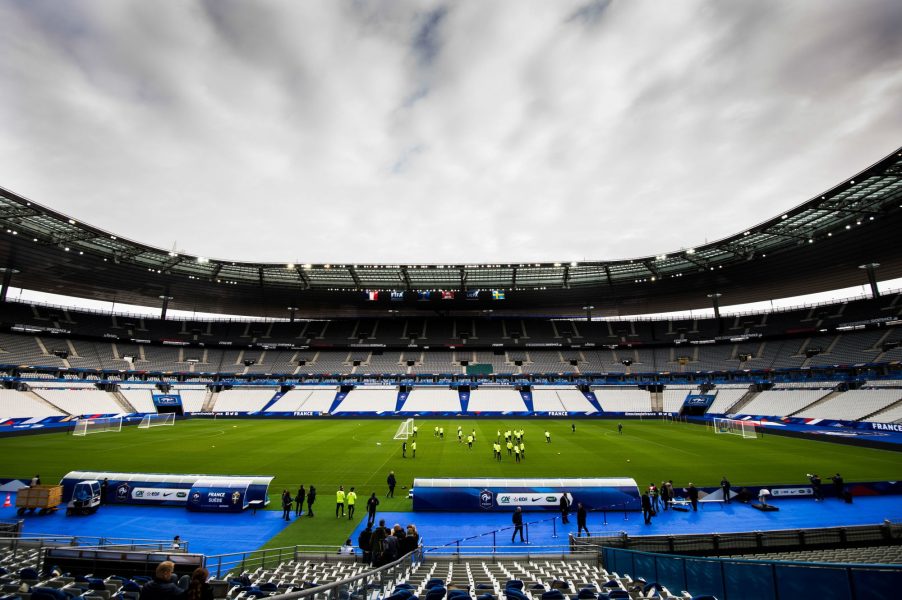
x=411, y=541
x=162, y=586
x=392, y=482
x=518, y=524
x=371, y=505
x=839, y=486
x=311, y=498
x=286, y=505
x=364, y=542
x=646, y=508
x=389, y=550
x=299, y=501
x=198, y=588
x=376, y=544
x=666, y=495
x=581, y=514
x=725, y=488
x=692, y=493
x=565, y=508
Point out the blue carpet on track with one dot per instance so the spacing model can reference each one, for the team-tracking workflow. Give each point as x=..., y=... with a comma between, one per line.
x=439, y=529
x=207, y=533
x=212, y=533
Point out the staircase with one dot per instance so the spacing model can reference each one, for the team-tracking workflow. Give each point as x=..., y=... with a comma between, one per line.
x=209, y=401
x=741, y=403
x=123, y=402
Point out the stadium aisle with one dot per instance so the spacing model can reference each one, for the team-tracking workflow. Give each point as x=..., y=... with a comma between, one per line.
x=437, y=529
x=204, y=531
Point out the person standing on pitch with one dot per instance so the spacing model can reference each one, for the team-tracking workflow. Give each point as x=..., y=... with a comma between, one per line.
x=340, y=501
x=572, y=427
x=692, y=492
x=413, y=449
x=352, y=501
x=581, y=515
x=516, y=453
x=816, y=487
x=565, y=508
x=725, y=488
x=620, y=428
x=470, y=442
x=415, y=430
x=286, y=505
x=371, y=505
x=547, y=437
x=666, y=494
x=518, y=524
x=646, y=507
x=838, y=486
x=299, y=501
x=403, y=449
x=391, y=484
x=311, y=498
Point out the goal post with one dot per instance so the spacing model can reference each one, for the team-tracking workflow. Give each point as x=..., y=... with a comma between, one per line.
x=405, y=430
x=157, y=420
x=746, y=429
x=85, y=427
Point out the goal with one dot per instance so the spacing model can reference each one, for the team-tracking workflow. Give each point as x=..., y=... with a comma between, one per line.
x=158, y=420
x=100, y=425
x=405, y=430
x=732, y=426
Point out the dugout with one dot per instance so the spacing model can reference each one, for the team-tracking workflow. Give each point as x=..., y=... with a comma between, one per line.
x=219, y=493
x=503, y=494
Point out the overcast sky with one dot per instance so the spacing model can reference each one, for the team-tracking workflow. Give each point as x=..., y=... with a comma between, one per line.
x=417, y=131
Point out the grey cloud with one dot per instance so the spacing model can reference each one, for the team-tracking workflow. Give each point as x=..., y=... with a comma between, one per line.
x=441, y=131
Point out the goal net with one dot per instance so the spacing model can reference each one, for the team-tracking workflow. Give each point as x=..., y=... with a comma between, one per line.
x=99, y=425
x=734, y=427
x=405, y=430
x=157, y=420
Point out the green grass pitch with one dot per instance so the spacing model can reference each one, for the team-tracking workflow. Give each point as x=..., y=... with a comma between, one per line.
x=360, y=453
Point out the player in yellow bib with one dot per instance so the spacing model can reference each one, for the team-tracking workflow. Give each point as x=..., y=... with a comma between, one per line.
x=413, y=448
x=340, y=501
x=352, y=501
x=470, y=442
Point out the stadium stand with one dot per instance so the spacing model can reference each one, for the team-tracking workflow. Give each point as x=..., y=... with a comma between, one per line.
x=423, y=399
x=781, y=403
x=614, y=399
x=488, y=399
x=309, y=398
x=243, y=399
x=560, y=398
x=373, y=399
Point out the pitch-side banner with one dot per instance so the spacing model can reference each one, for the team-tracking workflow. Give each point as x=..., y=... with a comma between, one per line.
x=461, y=495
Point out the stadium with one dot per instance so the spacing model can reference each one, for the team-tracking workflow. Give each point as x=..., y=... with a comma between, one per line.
x=634, y=432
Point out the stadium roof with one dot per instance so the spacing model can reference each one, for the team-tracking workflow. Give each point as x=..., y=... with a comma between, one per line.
x=818, y=245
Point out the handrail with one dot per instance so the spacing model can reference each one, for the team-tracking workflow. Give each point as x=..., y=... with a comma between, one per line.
x=329, y=589
x=224, y=563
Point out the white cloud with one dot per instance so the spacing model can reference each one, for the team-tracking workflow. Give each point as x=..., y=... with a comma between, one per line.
x=441, y=132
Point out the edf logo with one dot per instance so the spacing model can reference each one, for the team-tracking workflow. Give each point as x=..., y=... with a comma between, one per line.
x=485, y=499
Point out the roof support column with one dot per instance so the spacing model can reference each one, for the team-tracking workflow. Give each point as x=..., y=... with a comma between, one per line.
x=871, y=269
x=165, y=298
x=8, y=273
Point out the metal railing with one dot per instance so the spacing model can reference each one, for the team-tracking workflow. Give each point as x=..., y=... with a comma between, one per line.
x=370, y=584
x=222, y=564
x=709, y=544
x=19, y=543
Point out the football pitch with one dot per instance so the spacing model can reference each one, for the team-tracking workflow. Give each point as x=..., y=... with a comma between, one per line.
x=360, y=453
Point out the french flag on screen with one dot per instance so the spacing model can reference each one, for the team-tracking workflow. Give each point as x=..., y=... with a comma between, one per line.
x=372, y=295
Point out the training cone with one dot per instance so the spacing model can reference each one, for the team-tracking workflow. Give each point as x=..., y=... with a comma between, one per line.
x=7, y=503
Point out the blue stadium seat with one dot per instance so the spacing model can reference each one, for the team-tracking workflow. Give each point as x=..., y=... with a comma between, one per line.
x=436, y=593
x=485, y=597
x=514, y=583
x=48, y=593
x=553, y=595
x=586, y=593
